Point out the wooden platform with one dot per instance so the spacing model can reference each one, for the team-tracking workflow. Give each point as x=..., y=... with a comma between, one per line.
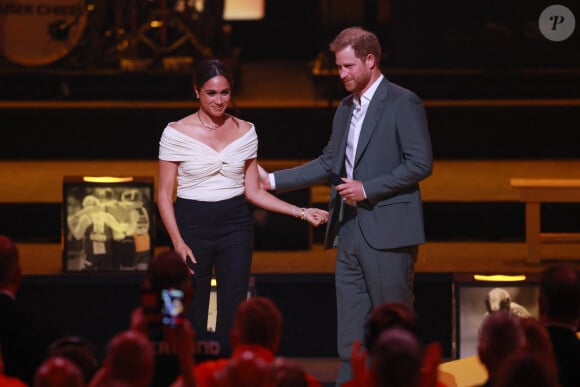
x=452, y=181
x=434, y=257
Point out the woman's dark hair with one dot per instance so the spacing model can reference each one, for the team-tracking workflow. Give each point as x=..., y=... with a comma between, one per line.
x=209, y=68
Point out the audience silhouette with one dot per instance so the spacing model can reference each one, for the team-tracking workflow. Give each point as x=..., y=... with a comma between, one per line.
x=525, y=369
x=8, y=381
x=288, y=373
x=245, y=370
x=501, y=335
x=559, y=310
x=515, y=351
x=384, y=317
x=396, y=359
x=24, y=335
x=58, y=371
x=538, y=339
x=80, y=351
x=165, y=271
x=130, y=360
x=255, y=339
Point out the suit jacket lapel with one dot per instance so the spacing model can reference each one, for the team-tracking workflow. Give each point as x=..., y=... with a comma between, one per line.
x=369, y=125
x=342, y=138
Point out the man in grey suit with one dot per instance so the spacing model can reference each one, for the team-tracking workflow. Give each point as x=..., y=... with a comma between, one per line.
x=378, y=152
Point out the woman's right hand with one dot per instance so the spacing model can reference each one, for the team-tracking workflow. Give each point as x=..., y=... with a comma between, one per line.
x=184, y=251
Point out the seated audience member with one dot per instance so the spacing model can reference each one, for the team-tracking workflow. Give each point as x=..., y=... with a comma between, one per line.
x=79, y=351
x=24, y=335
x=388, y=315
x=8, y=381
x=396, y=359
x=130, y=361
x=256, y=334
x=559, y=311
x=165, y=271
x=58, y=371
x=538, y=339
x=501, y=335
x=526, y=369
x=288, y=373
x=246, y=370
x=383, y=317
x=251, y=371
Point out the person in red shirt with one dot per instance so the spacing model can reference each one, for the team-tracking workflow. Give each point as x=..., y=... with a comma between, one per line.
x=9, y=381
x=384, y=317
x=255, y=339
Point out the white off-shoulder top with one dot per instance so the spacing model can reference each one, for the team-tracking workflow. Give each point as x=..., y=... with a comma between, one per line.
x=203, y=173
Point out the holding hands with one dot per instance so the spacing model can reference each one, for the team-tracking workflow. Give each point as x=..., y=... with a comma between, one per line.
x=315, y=216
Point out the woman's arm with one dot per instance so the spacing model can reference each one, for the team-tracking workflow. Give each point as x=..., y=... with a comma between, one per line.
x=262, y=198
x=165, y=186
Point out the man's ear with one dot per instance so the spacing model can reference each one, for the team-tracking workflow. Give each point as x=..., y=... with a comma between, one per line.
x=371, y=61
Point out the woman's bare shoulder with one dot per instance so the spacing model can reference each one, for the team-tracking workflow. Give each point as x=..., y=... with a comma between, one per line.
x=187, y=125
x=242, y=125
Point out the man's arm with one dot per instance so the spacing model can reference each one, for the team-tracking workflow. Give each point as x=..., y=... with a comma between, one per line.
x=415, y=148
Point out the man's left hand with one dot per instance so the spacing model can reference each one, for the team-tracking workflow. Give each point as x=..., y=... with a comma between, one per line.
x=351, y=190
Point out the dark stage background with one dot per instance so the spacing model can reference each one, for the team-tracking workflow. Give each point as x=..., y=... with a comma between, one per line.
x=415, y=33
x=480, y=55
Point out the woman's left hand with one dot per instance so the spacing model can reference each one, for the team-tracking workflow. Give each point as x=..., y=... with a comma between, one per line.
x=315, y=216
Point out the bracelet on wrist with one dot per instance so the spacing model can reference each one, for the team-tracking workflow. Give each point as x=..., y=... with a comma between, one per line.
x=303, y=214
x=296, y=212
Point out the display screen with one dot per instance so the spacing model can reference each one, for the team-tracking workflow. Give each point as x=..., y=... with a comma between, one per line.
x=107, y=226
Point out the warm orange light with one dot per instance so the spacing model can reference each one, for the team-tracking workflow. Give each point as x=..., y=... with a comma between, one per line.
x=107, y=179
x=499, y=277
x=244, y=10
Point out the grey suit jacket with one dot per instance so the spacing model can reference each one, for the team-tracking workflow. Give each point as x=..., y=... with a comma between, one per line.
x=393, y=156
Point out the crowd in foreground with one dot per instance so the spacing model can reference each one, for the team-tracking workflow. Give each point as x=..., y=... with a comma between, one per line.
x=515, y=351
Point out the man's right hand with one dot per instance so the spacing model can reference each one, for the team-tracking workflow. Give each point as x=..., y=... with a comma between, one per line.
x=264, y=178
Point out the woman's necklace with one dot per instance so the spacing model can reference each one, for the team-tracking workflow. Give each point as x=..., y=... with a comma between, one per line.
x=212, y=127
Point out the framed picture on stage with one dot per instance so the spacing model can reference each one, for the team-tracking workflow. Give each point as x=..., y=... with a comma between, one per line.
x=475, y=300
x=107, y=223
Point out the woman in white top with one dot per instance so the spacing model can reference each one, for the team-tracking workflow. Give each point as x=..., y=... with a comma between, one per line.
x=213, y=156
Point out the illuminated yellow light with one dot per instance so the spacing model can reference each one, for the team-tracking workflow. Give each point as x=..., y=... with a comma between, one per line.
x=244, y=9
x=499, y=277
x=106, y=179
x=156, y=23
x=213, y=282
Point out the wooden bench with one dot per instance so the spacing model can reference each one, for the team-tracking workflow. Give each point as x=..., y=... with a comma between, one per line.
x=534, y=192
